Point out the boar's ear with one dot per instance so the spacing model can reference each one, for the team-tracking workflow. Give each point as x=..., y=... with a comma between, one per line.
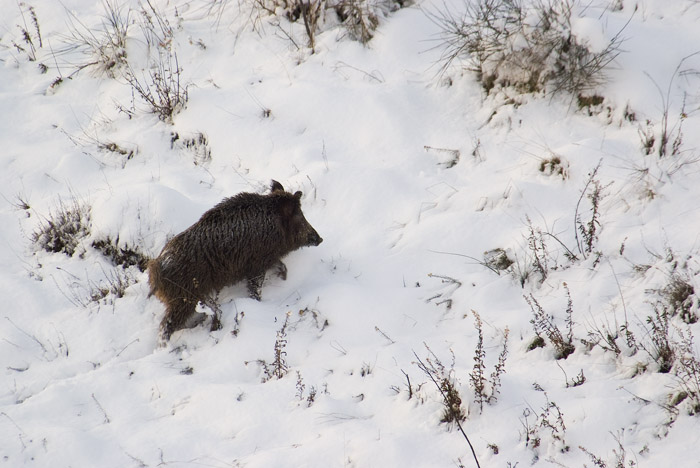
x=276, y=186
x=297, y=196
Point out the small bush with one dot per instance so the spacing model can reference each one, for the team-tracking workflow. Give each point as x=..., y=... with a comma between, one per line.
x=620, y=457
x=31, y=35
x=554, y=166
x=539, y=254
x=64, y=228
x=577, y=381
x=528, y=46
x=197, y=144
x=606, y=336
x=680, y=296
x=159, y=86
x=543, y=324
x=105, y=47
x=660, y=345
x=89, y=139
x=311, y=14
x=278, y=368
x=301, y=387
x=279, y=364
x=670, y=133
x=115, y=284
x=688, y=373
x=587, y=232
x=585, y=101
x=112, y=147
x=548, y=421
x=446, y=383
x=536, y=262
x=87, y=292
x=359, y=18
x=124, y=256
x=539, y=259
x=486, y=390
x=497, y=260
x=594, y=104
x=21, y=203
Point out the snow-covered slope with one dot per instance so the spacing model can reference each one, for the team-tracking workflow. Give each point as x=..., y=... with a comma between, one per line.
x=410, y=176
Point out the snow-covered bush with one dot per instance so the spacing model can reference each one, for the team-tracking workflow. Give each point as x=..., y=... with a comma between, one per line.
x=359, y=18
x=63, y=229
x=197, y=144
x=543, y=325
x=447, y=384
x=103, y=47
x=546, y=428
x=123, y=255
x=530, y=46
x=160, y=86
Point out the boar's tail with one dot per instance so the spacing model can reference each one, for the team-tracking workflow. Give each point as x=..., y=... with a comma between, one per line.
x=154, y=276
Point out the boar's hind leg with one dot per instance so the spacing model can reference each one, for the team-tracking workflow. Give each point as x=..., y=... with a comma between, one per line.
x=281, y=270
x=255, y=286
x=177, y=316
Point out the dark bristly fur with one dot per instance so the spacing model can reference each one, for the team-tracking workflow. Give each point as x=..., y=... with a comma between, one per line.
x=239, y=239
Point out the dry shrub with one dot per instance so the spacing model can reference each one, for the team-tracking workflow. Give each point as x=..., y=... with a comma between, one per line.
x=529, y=46
x=63, y=229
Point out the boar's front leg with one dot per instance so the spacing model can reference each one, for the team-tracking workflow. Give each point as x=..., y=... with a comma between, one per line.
x=216, y=321
x=281, y=270
x=213, y=304
x=255, y=286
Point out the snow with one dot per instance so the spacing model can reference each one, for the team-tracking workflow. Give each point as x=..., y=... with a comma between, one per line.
x=369, y=134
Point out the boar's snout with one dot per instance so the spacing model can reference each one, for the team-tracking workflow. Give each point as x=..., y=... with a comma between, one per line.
x=314, y=239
